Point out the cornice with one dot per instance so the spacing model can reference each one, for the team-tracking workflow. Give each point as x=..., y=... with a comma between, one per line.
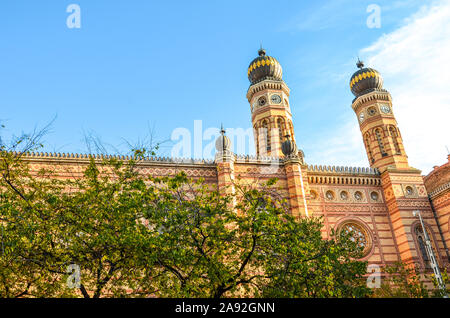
x=382, y=95
x=267, y=84
x=440, y=190
x=76, y=158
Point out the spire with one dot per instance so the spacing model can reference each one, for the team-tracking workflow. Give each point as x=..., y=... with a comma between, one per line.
x=223, y=143
x=360, y=64
x=261, y=51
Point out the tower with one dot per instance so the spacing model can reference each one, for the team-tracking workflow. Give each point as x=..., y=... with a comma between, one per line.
x=373, y=108
x=268, y=96
x=403, y=185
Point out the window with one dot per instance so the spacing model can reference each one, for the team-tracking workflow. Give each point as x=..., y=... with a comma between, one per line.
x=409, y=191
x=266, y=132
x=358, y=196
x=394, y=135
x=374, y=195
x=329, y=195
x=380, y=142
x=357, y=233
x=420, y=236
x=369, y=151
x=280, y=124
x=257, y=140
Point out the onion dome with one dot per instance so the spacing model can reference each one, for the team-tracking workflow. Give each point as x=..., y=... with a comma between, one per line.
x=223, y=143
x=288, y=147
x=365, y=80
x=264, y=67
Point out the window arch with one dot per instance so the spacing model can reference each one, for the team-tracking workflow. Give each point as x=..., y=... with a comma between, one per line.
x=369, y=151
x=394, y=135
x=291, y=130
x=359, y=234
x=380, y=141
x=266, y=132
x=419, y=236
x=280, y=126
x=257, y=138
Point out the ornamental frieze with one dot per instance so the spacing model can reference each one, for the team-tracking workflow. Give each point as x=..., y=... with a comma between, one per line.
x=410, y=203
x=347, y=208
x=379, y=209
x=260, y=169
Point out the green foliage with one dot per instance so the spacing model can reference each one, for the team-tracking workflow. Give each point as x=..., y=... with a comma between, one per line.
x=446, y=279
x=138, y=236
x=403, y=281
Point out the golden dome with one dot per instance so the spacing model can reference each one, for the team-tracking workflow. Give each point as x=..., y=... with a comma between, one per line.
x=365, y=80
x=264, y=67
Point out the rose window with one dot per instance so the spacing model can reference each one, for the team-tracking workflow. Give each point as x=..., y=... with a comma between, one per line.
x=358, y=235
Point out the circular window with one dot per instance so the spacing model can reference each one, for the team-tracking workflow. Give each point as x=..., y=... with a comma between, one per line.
x=409, y=190
x=313, y=195
x=358, y=196
x=329, y=195
x=344, y=195
x=372, y=111
x=357, y=234
x=262, y=101
x=374, y=195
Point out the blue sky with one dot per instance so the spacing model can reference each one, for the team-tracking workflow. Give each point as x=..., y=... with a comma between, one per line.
x=140, y=65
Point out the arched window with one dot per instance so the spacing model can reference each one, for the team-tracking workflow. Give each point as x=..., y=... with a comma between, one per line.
x=266, y=132
x=380, y=142
x=359, y=234
x=394, y=135
x=280, y=125
x=369, y=151
x=420, y=236
x=257, y=139
x=291, y=130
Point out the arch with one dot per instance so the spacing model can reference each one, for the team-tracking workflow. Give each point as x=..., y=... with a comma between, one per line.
x=377, y=132
x=266, y=131
x=257, y=138
x=369, y=151
x=419, y=240
x=394, y=135
x=281, y=128
x=291, y=129
x=362, y=231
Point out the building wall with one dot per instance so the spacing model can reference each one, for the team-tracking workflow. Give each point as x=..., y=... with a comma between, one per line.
x=437, y=183
x=339, y=195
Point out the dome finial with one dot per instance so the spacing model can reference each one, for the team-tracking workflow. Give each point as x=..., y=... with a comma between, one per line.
x=360, y=64
x=223, y=143
x=261, y=51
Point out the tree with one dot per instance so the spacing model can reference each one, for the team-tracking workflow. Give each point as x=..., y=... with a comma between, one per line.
x=253, y=249
x=138, y=236
x=408, y=282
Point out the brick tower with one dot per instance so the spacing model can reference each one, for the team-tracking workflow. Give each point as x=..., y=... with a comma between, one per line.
x=268, y=96
x=403, y=185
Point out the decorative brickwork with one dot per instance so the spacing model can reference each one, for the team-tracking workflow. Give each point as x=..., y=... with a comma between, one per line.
x=379, y=200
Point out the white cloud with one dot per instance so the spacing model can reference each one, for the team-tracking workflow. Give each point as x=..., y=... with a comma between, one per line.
x=415, y=63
